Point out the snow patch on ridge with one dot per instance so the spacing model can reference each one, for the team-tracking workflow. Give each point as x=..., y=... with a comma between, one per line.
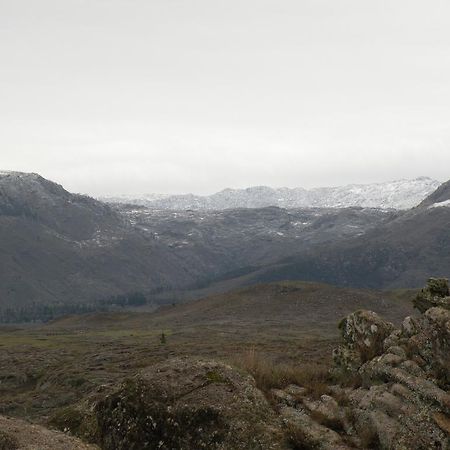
x=445, y=203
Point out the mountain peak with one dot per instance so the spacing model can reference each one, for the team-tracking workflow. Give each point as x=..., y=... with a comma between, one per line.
x=17, y=174
x=30, y=195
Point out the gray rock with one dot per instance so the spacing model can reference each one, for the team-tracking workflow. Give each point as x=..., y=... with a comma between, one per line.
x=404, y=401
x=282, y=397
x=296, y=391
x=307, y=433
x=364, y=332
x=436, y=293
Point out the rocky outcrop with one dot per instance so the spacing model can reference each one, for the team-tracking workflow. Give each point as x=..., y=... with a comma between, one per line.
x=363, y=333
x=309, y=432
x=16, y=434
x=179, y=404
x=435, y=294
x=401, y=399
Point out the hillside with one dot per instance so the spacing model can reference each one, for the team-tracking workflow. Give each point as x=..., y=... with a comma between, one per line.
x=400, y=252
x=438, y=197
x=60, y=248
x=77, y=217
x=309, y=306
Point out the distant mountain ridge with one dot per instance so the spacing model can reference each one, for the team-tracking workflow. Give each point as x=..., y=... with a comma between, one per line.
x=399, y=195
x=440, y=197
x=60, y=250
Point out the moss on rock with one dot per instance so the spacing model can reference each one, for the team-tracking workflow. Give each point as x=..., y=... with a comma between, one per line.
x=187, y=404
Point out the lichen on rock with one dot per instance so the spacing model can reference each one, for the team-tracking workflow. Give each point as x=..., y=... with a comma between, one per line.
x=403, y=401
x=187, y=404
x=435, y=293
x=363, y=333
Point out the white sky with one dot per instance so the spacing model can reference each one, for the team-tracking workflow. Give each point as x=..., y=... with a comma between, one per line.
x=133, y=96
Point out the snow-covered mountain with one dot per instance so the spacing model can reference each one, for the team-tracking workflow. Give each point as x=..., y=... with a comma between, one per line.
x=399, y=194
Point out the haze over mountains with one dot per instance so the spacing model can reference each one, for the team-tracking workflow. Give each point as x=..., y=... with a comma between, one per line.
x=399, y=194
x=59, y=250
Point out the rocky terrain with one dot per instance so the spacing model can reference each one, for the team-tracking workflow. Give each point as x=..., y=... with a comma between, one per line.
x=388, y=388
x=439, y=197
x=397, y=253
x=17, y=434
x=401, y=393
x=400, y=194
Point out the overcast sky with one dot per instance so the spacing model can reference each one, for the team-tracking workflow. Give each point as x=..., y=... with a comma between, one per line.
x=134, y=96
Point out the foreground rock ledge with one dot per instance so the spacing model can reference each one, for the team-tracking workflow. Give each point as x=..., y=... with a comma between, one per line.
x=16, y=434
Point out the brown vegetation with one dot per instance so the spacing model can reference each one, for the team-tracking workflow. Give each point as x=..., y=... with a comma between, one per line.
x=269, y=375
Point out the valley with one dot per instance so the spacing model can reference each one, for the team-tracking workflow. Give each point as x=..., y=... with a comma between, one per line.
x=95, y=256
x=126, y=326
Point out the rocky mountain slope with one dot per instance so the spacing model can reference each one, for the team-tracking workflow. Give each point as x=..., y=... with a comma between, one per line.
x=440, y=197
x=61, y=250
x=397, y=253
x=399, y=194
x=58, y=247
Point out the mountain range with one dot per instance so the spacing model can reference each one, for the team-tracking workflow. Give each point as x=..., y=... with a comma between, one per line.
x=62, y=252
x=399, y=194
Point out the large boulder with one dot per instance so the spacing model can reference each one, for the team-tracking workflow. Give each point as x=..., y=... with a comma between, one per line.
x=187, y=404
x=363, y=333
x=429, y=346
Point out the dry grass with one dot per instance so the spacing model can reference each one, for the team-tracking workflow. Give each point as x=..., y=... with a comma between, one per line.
x=298, y=439
x=270, y=375
x=348, y=379
x=369, y=439
x=335, y=424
